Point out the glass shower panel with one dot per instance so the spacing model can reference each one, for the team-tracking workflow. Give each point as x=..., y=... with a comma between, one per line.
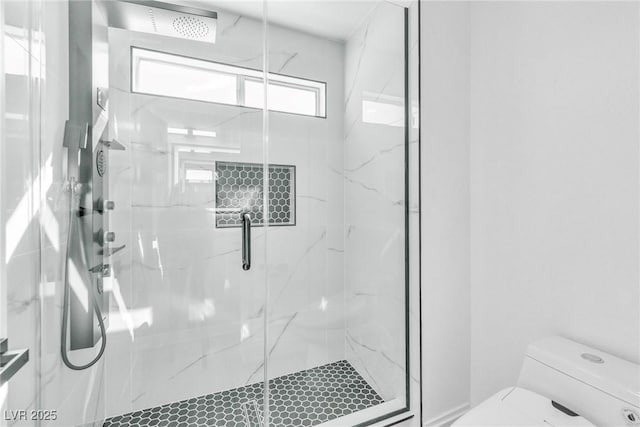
x=337, y=345
x=260, y=252
x=186, y=334
x=23, y=180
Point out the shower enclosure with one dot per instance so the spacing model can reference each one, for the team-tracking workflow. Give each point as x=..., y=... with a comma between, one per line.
x=260, y=238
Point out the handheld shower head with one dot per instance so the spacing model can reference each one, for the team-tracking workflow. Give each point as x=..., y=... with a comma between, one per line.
x=155, y=17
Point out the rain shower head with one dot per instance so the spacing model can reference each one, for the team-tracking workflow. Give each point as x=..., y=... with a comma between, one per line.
x=162, y=18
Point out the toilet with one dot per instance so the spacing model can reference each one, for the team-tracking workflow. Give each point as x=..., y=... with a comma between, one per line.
x=563, y=383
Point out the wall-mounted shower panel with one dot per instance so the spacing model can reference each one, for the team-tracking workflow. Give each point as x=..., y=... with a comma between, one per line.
x=88, y=101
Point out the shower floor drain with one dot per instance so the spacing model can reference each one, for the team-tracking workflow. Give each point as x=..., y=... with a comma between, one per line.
x=305, y=398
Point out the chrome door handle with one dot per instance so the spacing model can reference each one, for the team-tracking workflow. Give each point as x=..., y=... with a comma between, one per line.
x=246, y=241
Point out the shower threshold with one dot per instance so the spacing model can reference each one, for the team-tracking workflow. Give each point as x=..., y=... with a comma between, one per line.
x=306, y=398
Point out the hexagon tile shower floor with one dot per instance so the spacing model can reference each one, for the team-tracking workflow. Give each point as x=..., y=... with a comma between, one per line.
x=304, y=398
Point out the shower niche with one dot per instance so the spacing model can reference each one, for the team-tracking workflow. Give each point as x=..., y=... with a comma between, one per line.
x=240, y=188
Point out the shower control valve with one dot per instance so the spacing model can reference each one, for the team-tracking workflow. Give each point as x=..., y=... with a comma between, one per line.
x=105, y=205
x=103, y=237
x=73, y=186
x=104, y=270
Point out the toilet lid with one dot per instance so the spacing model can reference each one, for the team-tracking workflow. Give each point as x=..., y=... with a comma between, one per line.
x=515, y=406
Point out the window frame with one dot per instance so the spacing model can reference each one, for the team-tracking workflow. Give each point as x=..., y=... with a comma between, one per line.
x=244, y=74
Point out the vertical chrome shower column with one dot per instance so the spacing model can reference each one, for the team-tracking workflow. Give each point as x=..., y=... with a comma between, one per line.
x=88, y=103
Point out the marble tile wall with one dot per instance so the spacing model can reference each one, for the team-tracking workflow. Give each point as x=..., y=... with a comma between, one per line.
x=35, y=212
x=375, y=200
x=35, y=208
x=305, y=278
x=76, y=395
x=20, y=178
x=186, y=320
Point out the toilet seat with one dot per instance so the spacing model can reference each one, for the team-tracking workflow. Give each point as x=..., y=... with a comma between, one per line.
x=516, y=407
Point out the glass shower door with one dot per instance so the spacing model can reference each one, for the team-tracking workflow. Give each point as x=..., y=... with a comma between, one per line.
x=337, y=277
x=187, y=319
x=259, y=273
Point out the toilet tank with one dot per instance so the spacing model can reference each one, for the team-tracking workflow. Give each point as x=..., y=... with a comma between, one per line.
x=602, y=388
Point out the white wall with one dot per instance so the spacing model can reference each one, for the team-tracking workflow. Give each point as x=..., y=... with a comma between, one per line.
x=445, y=208
x=530, y=170
x=554, y=181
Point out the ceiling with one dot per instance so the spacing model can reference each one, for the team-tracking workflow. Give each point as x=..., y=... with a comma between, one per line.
x=331, y=19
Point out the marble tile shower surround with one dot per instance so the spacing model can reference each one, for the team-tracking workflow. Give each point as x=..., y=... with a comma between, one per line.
x=159, y=340
x=20, y=203
x=191, y=321
x=19, y=238
x=375, y=204
x=35, y=214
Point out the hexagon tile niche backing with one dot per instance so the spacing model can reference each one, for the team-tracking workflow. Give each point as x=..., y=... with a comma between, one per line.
x=239, y=189
x=305, y=398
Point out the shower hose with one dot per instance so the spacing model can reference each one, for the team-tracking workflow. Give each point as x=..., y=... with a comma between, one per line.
x=65, y=306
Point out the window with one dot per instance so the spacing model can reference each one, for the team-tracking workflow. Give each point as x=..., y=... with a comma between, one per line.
x=383, y=109
x=289, y=98
x=196, y=175
x=164, y=74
